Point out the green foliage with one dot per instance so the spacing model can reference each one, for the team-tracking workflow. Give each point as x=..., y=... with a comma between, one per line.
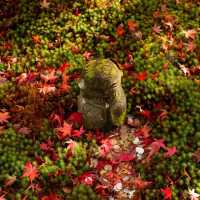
x=15, y=150
x=77, y=162
x=83, y=192
x=4, y=88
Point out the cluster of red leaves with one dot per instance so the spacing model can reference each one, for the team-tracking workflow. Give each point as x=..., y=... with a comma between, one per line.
x=66, y=130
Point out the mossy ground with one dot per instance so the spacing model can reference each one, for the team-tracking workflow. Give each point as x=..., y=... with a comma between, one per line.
x=43, y=47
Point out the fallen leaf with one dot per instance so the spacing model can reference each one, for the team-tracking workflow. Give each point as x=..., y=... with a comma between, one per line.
x=44, y=4
x=45, y=89
x=170, y=152
x=49, y=76
x=87, y=178
x=156, y=29
x=196, y=155
x=56, y=120
x=125, y=157
x=65, y=87
x=132, y=25
x=141, y=184
x=76, y=117
x=78, y=133
x=2, y=197
x=63, y=67
x=167, y=193
x=4, y=116
x=120, y=30
x=193, y=195
x=191, y=46
x=155, y=147
x=30, y=171
x=36, y=39
x=105, y=147
x=51, y=196
x=190, y=34
x=144, y=131
x=87, y=55
x=10, y=180
x=64, y=131
x=24, y=130
x=141, y=76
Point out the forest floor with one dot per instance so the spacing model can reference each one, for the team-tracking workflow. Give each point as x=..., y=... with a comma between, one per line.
x=45, y=151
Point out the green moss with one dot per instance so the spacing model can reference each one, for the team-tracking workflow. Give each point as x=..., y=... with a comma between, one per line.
x=118, y=120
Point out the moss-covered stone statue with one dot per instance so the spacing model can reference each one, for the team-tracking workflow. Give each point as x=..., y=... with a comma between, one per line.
x=102, y=99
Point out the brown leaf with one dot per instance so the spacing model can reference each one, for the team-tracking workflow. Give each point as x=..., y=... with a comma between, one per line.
x=196, y=155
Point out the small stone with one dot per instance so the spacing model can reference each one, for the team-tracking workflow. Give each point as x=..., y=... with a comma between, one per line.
x=126, y=178
x=117, y=187
x=139, y=150
x=136, y=141
x=129, y=193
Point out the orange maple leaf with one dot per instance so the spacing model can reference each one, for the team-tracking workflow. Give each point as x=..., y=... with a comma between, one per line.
x=4, y=116
x=141, y=76
x=36, y=39
x=132, y=25
x=64, y=131
x=120, y=30
x=65, y=87
x=30, y=171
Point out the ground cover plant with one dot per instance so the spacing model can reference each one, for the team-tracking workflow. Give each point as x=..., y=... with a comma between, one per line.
x=45, y=151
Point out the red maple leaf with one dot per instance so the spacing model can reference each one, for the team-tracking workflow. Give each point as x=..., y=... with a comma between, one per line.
x=9, y=181
x=2, y=197
x=132, y=25
x=76, y=117
x=24, y=130
x=64, y=131
x=63, y=67
x=78, y=133
x=49, y=76
x=46, y=146
x=120, y=30
x=156, y=29
x=125, y=157
x=87, y=55
x=56, y=120
x=87, y=178
x=51, y=196
x=141, y=184
x=144, y=131
x=71, y=147
x=105, y=147
x=190, y=34
x=155, y=147
x=127, y=66
x=191, y=46
x=141, y=76
x=64, y=87
x=170, y=152
x=102, y=190
x=30, y=171
x=45, y=89
x=167, y=193
x=4, y=116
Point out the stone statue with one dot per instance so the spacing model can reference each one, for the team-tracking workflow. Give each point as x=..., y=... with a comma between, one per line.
x=102, y=100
